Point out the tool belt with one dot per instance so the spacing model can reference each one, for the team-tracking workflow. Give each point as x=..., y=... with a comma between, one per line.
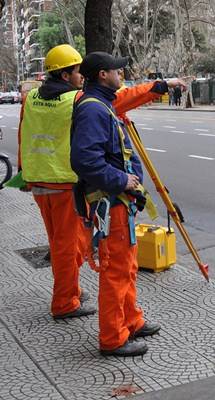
x=97, y=204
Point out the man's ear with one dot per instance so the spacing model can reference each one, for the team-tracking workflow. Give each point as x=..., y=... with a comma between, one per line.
x=102, y=74
x=65, y=76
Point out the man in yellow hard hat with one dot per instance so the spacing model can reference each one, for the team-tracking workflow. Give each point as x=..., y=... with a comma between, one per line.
x=45, y=162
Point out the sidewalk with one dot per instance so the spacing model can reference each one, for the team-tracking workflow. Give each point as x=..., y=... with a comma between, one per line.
x=44, y=359
x=163, y=106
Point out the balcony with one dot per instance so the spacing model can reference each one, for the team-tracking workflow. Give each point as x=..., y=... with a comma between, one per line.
x=33, y=39
x=33, y=31
x=34, y=2
x=31, y=10
x=34, y=53
x=34, y=15
x=32, y=25
x=36, y=67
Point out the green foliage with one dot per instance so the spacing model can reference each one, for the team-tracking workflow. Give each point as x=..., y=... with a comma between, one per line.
x=51, y=31
x=80, y=44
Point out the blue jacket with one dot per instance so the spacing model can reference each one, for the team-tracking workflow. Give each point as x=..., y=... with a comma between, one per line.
x=96, y=154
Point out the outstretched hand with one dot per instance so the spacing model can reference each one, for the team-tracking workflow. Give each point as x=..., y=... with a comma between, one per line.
x=172, y=83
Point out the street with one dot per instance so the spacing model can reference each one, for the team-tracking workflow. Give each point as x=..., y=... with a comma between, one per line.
x=181, y=145
x=9, y=120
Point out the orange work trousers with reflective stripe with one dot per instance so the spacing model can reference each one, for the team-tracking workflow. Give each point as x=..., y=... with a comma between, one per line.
x=65, y=230
x=118, y=314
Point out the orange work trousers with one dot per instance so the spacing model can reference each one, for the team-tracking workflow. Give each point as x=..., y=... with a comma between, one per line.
x=65, y=234
x=118, y=314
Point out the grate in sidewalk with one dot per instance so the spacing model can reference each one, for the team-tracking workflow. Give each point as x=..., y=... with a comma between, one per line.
x=38, y=256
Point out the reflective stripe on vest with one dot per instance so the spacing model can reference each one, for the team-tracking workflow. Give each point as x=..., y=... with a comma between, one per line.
x=45, y=138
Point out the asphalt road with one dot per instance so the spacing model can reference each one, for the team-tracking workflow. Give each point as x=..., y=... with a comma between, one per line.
x=9, y=121
x=181, y=145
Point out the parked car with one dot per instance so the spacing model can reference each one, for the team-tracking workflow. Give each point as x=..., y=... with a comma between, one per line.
x=16, y=96
x=10, y=97
x=26, y=86
x=1, y=97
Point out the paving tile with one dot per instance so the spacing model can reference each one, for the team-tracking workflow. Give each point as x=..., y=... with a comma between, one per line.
x=46, y=359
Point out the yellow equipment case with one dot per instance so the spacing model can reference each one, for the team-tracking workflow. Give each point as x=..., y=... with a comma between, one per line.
x=156, y=247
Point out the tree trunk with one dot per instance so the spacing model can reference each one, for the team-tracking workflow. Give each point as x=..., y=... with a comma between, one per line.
x=179, y=40
x=2, y=3
x=98, y=29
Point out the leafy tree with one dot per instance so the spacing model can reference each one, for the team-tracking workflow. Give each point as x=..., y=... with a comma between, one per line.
x=52, y=32
x=80, y=44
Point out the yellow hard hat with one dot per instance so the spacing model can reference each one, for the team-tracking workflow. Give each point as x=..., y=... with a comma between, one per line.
x=62, y=56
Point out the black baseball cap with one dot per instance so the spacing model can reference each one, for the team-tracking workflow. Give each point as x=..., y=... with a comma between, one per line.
x=98, y=60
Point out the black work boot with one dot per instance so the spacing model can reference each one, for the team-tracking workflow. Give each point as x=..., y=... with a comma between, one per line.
x=80, y=312
x=129, y=349
x=148, y=329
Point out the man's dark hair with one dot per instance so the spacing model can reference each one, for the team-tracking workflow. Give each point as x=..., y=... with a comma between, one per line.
x=95, y=76
x=57, y=73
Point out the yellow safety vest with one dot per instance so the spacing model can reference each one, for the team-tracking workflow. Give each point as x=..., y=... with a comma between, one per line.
x=45, y=138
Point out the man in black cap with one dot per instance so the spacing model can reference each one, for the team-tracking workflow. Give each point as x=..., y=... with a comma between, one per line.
x=103, y=158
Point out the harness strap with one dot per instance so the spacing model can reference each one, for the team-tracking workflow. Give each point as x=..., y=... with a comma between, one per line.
x=126, y=152
x=149, y=206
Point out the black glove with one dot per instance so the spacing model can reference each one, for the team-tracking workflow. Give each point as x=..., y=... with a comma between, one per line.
x=140, y=199
x=80, y=203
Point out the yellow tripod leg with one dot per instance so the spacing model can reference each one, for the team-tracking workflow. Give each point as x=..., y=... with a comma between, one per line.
x=161, y=189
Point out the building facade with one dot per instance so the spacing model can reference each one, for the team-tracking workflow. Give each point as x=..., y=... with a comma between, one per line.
x=20, y=20
x=31, y=60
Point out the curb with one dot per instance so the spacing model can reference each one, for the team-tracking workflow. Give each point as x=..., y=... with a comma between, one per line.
x=177, y=109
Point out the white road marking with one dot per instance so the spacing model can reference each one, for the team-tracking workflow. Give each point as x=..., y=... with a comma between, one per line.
x=140, y=124
x=178, y=131
x=170, y=120
x=201, y=130
x=169, y=127
x=147, y=129
x=201, y=157
x=158, y=150
x=3, y=126
x=14, y=127
x=147, y=118
x=1, y=116
x=206, y=134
